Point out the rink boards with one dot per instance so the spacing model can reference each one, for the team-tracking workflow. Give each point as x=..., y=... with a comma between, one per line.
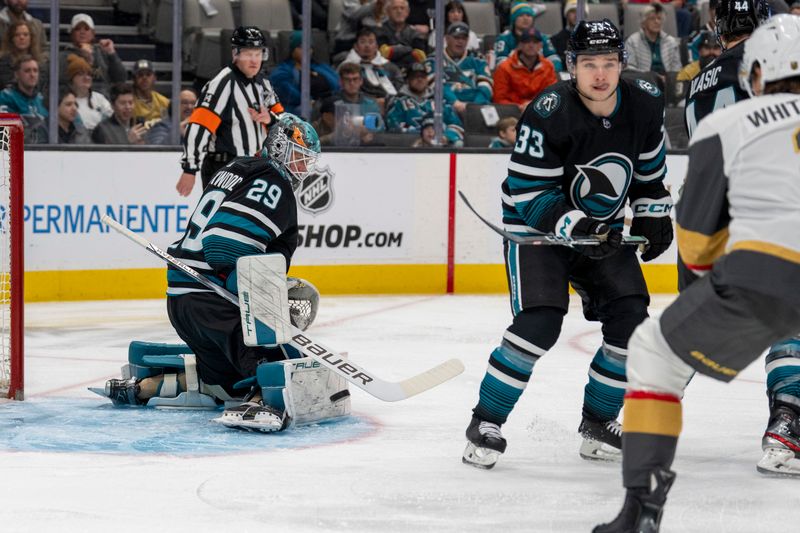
x=370, y=224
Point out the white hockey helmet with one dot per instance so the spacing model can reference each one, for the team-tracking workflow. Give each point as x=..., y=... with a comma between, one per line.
x=775, y=48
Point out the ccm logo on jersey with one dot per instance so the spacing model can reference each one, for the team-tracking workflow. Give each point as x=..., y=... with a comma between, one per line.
x=332, y=359
x=651, y=209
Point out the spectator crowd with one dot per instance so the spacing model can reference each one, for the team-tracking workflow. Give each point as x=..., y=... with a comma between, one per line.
x=99, y=100
x=377, y=88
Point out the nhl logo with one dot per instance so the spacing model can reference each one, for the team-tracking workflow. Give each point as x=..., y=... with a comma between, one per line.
x=316, y=192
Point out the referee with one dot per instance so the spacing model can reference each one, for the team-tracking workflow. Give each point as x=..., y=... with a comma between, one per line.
x=232, y=113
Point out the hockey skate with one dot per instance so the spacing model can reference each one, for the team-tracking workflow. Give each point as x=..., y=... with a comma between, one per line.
x=781, y=445
x=602, y=441
x=121, y=391
x=642, y=510
x=486, y=444
x=254, y=416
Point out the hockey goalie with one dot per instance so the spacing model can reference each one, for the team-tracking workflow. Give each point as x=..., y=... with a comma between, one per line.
x=284, y=393
x=240, y=239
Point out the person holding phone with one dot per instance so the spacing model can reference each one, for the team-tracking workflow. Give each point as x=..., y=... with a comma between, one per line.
x=120, y=128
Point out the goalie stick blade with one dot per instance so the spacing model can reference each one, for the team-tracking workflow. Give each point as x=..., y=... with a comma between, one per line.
x=433, y=377
x=545, y=240
x=387, y=391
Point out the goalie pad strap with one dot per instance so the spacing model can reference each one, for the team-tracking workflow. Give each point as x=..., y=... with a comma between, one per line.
x=217, y=392
x=169, y=386
x=190, y=367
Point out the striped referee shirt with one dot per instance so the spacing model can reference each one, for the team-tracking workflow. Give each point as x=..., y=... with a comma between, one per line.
x=221, y=123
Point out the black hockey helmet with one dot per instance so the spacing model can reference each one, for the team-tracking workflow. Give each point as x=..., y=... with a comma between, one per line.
x=594, y=37
x=248, y=37
x=737, y=17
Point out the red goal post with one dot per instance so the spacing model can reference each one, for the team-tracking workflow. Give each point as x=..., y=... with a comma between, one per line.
x=12, y=377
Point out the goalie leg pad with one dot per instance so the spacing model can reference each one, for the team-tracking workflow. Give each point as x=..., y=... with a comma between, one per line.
x=147, y=359
x=308, y=391
x=167, y=362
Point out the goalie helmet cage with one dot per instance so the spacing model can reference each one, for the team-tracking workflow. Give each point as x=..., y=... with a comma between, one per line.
x=11, y=257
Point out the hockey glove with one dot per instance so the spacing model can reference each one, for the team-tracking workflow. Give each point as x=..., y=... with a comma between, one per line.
x=610, y=239
x=651, y=220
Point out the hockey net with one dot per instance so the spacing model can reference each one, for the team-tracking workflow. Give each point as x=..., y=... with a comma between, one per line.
x=11, y=257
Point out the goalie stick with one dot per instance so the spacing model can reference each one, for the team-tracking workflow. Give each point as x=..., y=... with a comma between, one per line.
x=388, y=391
x=548, y=239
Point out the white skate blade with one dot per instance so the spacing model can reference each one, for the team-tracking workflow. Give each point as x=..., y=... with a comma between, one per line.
x=594, y=450
x=263, y=421
x=264, y=425
x=480, y=457
x=100, y=391
x=779, y=462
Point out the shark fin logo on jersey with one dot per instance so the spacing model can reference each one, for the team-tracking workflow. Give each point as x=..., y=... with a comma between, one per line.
x=600, y=186
x=547, y=103
x=648, y=87
x=316, y=192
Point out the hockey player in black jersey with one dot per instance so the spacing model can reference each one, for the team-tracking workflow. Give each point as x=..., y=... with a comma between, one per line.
x=584, y=149
x=248, y=208
x=717, y=85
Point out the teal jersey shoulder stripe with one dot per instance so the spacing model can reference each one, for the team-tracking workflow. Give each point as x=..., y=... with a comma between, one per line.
x=242, y=224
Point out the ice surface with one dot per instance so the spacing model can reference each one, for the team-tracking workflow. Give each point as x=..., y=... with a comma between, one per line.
x=68, y=462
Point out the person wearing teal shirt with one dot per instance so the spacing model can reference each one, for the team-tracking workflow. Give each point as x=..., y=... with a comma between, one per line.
x=522, y=18
x=24, y=99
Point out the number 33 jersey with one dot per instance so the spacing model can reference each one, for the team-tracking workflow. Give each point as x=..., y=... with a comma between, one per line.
x=248, y=208
x=566, y=158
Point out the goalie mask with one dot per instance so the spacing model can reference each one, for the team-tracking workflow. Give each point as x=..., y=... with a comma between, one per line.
x=775, y=48
x=293, y=148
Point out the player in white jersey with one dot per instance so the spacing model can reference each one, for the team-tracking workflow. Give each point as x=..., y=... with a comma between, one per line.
x=737, y=220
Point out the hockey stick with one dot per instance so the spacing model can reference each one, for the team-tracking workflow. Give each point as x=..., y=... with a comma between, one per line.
x=388, y=391
x=549, y=239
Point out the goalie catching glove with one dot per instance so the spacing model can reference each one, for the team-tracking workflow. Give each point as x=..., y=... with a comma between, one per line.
x=303, y=302
x=575, y=225
x=651, y=220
